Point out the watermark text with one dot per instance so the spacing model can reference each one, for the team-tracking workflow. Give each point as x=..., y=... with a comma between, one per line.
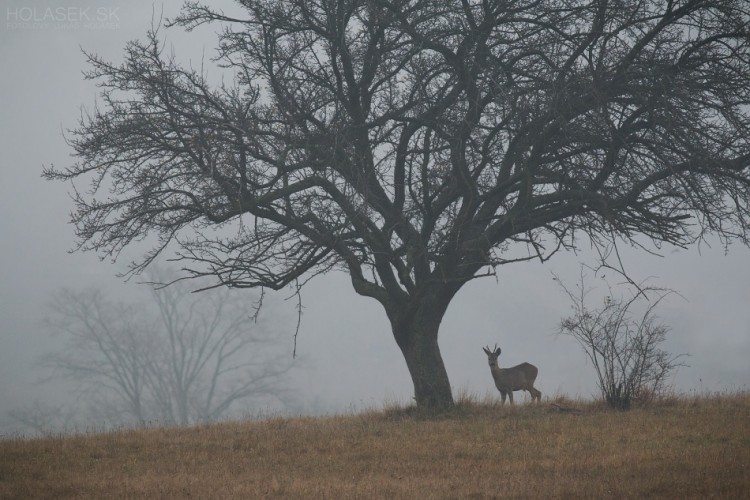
x=71, y=17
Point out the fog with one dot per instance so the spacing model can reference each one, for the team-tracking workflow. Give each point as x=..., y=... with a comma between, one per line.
x=350, y=358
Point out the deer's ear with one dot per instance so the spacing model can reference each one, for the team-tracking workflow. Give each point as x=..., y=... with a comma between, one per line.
x=497, y=351
x=486, y=351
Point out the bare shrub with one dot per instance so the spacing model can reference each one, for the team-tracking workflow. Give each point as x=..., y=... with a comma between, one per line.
x=623, y=346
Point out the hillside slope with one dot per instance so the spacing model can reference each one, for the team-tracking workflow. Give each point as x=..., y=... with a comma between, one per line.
x=686, y=448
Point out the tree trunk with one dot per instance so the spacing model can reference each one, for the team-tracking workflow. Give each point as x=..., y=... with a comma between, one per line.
x=415, y=327
x=432, y=388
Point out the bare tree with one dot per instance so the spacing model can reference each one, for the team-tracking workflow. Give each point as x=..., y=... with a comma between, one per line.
x=191, y=358
x=107, y=346
x=624, y=348
x=44, y=419
x=417, y=145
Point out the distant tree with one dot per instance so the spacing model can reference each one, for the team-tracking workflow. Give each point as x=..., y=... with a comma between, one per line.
x=42, y=418
x=177, y=359
x=624, y=348
x=417, y=145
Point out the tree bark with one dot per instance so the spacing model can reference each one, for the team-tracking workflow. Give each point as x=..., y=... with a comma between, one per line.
x=415, y=327
x=432, y=388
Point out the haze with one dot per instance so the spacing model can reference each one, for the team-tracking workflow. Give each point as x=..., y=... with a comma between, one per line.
x=351, y=360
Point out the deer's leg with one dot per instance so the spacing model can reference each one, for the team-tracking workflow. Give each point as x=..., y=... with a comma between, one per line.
x=510, y=396
x=502, y=397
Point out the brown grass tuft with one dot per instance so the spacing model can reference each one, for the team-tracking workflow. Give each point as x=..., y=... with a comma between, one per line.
x=685, y=448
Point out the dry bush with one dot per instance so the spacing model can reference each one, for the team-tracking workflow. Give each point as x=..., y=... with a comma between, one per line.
x=623, y=345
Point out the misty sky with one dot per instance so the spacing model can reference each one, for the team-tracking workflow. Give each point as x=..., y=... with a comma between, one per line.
x=345, y=341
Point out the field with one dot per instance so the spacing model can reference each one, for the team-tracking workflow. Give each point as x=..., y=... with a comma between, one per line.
x=690, y=447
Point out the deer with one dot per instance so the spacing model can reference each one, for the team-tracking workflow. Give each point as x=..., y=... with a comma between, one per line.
x=518, y=378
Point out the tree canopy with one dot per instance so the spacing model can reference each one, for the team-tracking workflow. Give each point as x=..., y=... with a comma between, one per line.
x=416, y=144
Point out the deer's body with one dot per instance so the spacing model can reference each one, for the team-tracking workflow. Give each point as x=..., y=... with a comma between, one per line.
x=517, y=378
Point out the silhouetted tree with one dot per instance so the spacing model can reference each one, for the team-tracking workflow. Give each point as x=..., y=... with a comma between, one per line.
x=187, y=358
x=416, y=144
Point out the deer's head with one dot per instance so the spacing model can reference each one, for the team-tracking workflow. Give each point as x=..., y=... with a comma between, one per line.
x=492, y=355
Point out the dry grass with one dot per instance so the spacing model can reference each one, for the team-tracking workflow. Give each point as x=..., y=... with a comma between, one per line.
x=682, y=448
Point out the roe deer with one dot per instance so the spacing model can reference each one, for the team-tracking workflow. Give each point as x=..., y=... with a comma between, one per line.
x=518, y=378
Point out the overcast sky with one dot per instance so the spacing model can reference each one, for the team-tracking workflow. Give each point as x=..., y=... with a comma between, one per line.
x=352, y=359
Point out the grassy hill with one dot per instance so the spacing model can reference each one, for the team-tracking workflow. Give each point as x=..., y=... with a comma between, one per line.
x=682, y=448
